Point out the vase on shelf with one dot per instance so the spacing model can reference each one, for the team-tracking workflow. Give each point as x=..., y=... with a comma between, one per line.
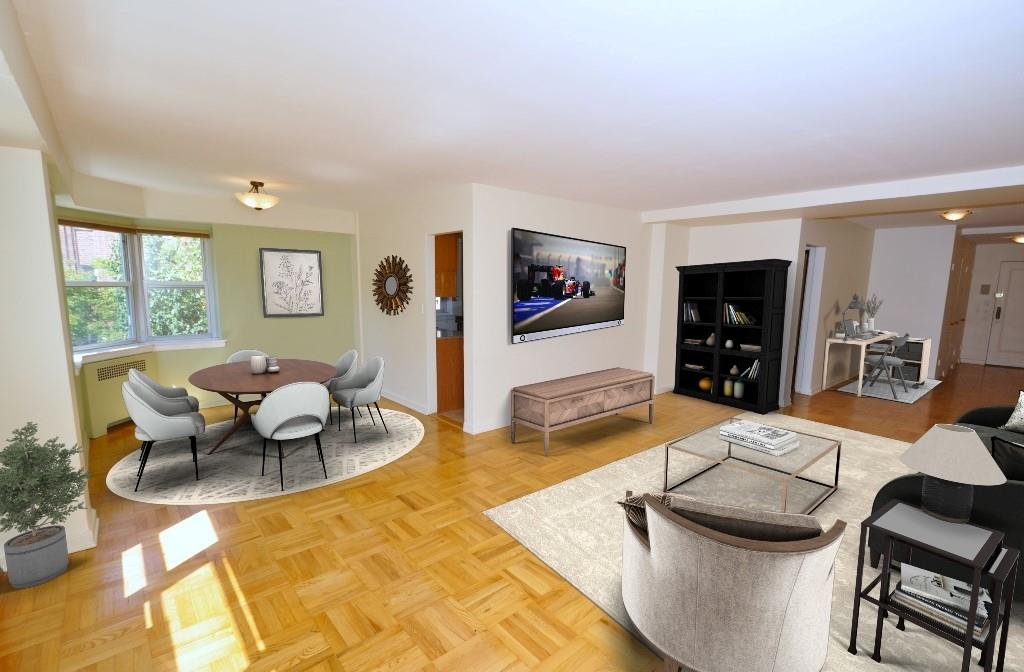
x=869, y=324
x=737, y=389
x=734, y=371
x=710, y=340
x=727, y=387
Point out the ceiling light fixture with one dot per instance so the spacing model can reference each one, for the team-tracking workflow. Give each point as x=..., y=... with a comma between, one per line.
x=955, y=215
x=1019, y=239
x=256, y=199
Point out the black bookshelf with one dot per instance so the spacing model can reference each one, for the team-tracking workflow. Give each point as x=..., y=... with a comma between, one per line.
x=755, y=291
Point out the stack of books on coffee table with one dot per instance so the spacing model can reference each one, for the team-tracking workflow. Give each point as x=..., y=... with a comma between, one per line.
x=941, y=599
x=763, y=438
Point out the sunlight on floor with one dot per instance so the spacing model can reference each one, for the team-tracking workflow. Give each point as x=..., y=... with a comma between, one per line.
x=183, y=540
x=199, y=618
x=133, y=570
x=243, y=605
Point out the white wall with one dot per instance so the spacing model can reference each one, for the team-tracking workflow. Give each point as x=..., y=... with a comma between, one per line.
x=910, y=273
x=670, y=245
x=979, y=307
x=404, y=225
x=779, y=239
x=494, y=364
x=37, y=359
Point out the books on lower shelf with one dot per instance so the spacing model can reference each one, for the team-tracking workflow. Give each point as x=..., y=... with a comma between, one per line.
x=942, y=599
x=733, y=315
x=691, y=313
x=760, y=437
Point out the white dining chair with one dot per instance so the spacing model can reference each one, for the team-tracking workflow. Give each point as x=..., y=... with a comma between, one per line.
x=292, y=411
x=242, y=356
x=176, y=395
x=151, y=426
x=346, y=367
x=362, y=389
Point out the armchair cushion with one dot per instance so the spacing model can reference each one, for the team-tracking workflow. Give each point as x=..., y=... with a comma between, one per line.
x=745, y=523
x=1010, y=458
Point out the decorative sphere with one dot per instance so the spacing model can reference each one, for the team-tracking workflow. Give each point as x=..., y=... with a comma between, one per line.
x=705, y=384
x=729, y=343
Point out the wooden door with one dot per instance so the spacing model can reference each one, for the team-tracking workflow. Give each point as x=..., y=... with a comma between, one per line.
x=449, y=374
x=1006, y=340
x=955, y=316
x=446, y=265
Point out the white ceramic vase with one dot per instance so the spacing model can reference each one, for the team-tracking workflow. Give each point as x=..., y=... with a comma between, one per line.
x=258, y=364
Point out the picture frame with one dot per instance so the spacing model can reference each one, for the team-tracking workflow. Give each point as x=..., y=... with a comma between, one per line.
x=291, y=282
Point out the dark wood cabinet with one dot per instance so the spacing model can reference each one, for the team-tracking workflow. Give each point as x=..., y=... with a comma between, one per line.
x=742, y=303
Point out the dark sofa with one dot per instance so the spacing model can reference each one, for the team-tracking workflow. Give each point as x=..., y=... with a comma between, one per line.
x=998, y=507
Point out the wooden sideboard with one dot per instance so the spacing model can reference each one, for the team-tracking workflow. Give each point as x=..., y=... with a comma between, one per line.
x=564, y=402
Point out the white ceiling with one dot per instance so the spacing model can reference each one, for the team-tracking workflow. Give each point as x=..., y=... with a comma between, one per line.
x=1000, y=215
x=644, y=105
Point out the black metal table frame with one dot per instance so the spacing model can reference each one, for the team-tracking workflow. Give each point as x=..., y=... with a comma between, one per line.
x=1002, y=580
x=830, y=487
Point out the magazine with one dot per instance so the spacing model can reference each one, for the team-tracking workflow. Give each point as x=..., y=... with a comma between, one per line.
x=781, y=450
x=756, y=432
x=942, y=589
x=939, y=615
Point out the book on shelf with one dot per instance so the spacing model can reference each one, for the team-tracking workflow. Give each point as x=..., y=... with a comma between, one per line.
x=951, y=593
x=746, y=347
x=691, y=313
x=694, y=367
x=693, y=341
x=733, y=315
x=750, y=373
x=939, y=615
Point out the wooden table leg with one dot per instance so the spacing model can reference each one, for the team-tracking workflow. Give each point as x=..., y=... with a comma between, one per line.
x=243, y=419
x=860, y=376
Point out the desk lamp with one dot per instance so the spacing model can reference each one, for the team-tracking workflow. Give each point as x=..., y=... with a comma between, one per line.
x=855, y=304
x=953, y=460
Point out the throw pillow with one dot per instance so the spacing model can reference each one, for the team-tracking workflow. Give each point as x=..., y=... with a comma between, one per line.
x=1016, y=421
x=746, y=523
x=635, y=510
x=1010, y=458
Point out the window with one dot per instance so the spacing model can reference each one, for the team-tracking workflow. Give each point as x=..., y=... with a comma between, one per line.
x=127, y=287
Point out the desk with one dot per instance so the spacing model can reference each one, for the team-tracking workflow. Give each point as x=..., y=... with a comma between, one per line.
x=863, y=344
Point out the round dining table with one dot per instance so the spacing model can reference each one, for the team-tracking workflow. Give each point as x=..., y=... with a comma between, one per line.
x=233, y=380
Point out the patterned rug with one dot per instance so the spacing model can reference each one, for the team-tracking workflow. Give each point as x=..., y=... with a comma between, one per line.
x=576, y=528
x=232, y=473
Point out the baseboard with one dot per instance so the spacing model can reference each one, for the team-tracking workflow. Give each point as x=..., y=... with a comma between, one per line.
x=404, y=401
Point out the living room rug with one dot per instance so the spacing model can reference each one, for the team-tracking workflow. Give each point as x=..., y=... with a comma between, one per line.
x=880, y=390
x=232, y=473
x=576, y=527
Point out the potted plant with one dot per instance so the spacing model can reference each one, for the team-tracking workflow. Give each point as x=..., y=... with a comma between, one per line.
x=39, y=489
x=871, y=307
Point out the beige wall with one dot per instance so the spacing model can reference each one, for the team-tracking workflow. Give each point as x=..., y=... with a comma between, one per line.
x=848, y=249
x=37, y=365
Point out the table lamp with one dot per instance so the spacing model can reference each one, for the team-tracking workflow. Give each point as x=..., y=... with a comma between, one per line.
x=953, y=460
x=855, y=304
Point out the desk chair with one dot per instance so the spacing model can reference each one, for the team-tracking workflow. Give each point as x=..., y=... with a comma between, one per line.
x=885, y=361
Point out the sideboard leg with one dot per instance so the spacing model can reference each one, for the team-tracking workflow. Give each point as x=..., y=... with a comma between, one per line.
x=650, y=413
x=546, y=436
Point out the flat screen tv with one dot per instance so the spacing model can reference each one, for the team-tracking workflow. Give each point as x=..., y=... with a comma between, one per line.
x=564, y=285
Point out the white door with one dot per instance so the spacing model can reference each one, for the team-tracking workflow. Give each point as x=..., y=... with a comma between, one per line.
x=1006, y=342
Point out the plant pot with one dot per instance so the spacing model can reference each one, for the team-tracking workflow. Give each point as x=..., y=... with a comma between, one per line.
x=36, y=557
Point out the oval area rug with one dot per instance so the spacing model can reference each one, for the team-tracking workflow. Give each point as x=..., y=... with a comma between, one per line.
x=232, y=473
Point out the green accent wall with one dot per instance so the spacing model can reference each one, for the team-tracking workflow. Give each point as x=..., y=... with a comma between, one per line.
x=236, y=265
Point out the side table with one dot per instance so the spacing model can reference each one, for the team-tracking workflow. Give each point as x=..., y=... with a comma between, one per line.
x=976, y=548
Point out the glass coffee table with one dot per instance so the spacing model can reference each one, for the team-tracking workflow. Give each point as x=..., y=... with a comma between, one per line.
x=722, y=471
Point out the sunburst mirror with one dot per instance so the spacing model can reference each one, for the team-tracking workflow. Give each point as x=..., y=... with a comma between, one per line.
x=392, y=285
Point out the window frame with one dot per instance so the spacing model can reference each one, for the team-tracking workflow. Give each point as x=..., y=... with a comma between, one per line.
x=136, y=284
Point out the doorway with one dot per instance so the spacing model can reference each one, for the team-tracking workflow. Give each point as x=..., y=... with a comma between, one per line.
x=1006, y=338
x=448, y=307
x=807, y=328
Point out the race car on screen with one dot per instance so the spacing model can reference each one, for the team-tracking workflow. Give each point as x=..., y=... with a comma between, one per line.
x=552, y=284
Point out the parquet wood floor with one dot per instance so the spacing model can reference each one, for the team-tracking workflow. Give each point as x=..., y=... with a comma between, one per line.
x=395, y=570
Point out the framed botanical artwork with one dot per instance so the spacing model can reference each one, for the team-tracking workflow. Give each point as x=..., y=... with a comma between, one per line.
x=292, y=285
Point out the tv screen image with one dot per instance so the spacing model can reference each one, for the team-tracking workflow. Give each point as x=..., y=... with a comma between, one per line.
x=563, y=285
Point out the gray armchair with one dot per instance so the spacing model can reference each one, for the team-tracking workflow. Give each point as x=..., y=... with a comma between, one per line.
x=242, y=356
x=345, y=369
x=293, y=411
x=719, y=589
x=151, y=425
x=175, y=397
x=362, y=389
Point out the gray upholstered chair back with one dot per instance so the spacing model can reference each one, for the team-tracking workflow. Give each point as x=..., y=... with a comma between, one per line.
x=720, y=603
x=345, y=368
x=291, y=403
x=243, y=356
x=150, y=423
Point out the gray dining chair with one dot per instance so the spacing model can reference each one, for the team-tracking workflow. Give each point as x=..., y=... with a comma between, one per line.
x=362, y=389
x=345, y=368
x=292, y=411
x=886, y=362
x=151, y=425
x=176, y=395
x=242, y=356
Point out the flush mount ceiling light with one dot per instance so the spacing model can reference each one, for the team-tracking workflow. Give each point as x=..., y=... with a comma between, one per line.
x=955, y=215
x=1019, y=239
x=256, y=199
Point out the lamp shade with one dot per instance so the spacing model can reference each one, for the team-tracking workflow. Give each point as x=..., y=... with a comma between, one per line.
x=953, y=453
